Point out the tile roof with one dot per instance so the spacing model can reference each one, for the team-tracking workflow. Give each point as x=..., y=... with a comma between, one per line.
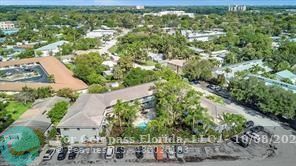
x=88, y=111
x=62, y=75
x=36, y=117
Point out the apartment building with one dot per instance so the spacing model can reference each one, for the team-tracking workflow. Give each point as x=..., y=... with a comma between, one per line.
x=87, y=117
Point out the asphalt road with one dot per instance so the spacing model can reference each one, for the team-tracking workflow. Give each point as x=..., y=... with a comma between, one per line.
x=286, y=153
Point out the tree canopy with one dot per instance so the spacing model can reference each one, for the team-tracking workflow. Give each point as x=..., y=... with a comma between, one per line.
x=89, y=68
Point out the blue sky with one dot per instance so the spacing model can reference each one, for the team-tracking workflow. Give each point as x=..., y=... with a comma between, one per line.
x=147, y=2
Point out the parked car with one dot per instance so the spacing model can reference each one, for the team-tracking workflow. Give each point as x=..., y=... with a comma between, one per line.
x=109, y=152
x=73, y=153
x=234, y=138
x=257, y=129
x=243, y=141
x=139, y=152
x=249, y=124
x=253, y=136
x=63, y=153
x=158, y=153
x=48, y=154
x=119, y=152
x=179, y=152
x=170, y=153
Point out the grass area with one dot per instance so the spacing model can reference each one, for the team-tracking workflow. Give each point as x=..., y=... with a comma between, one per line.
x=16, y=109
x=150, y=63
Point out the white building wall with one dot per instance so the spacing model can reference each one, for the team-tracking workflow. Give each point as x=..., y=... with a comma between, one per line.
x=6, y=25
x=77, y=135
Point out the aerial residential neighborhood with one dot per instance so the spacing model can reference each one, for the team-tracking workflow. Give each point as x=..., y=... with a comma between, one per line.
x=147, y=82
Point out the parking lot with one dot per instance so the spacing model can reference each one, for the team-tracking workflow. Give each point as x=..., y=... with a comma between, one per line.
x=228, y=150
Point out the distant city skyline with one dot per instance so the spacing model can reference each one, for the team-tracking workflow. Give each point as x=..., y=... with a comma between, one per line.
x=147, y=2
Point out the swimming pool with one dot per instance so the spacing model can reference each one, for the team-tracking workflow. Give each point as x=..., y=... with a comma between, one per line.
x=42, y=75
x=142, y=125
x=10, y=31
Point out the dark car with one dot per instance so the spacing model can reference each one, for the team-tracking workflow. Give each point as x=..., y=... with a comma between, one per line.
x=139, y=152
x=249, y=124
x=179, y=152
x=73, y=153
x=243, y=141
x=62, y=154
x=119, y=152
x=234, y=138
x=257, y=129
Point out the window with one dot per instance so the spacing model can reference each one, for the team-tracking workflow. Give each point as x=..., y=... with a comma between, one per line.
x=78, y=128
x=94, y=128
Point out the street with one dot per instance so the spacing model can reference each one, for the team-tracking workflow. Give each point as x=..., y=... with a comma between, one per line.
x=111, y=43
x=286, y=150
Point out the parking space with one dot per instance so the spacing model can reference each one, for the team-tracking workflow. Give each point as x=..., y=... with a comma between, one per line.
x=228, y=150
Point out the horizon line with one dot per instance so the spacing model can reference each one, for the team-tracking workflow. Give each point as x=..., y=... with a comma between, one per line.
x=261, y=5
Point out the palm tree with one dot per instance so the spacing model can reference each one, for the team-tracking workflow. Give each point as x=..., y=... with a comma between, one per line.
x=118, y=111
x=125, y=112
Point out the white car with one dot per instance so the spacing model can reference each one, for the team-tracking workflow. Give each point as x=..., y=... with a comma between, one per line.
x=48, y=154
x=170, y=153
x=179, y=152
x=109, y=152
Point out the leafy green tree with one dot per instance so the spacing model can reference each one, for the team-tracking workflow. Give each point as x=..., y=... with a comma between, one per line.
x=125, y=113
x=198, y=70
x=52, y=133
x=269, y=99
x=44, y=92
x=67, y=49
x=89, y=68
x=124, y=65
x=29, y=53
x=97, y=88
x=30, y=95
x=137, y=76
x=235, y=122
x=87, y=43
x=57, y=112
x=68, y=93
x=231, y=58
x=5, y=117
x=284, y=65
x=40, y=136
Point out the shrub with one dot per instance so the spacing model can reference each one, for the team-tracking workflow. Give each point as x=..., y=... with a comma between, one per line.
x=96, y=88
x=58, y=112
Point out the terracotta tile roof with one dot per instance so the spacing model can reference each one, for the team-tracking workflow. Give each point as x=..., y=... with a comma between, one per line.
x=62, y=75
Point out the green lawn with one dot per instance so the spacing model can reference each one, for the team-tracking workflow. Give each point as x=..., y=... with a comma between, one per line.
x=16, y=109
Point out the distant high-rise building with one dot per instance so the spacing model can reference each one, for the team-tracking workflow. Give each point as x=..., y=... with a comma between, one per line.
x=140, y=7
x=237, y=8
